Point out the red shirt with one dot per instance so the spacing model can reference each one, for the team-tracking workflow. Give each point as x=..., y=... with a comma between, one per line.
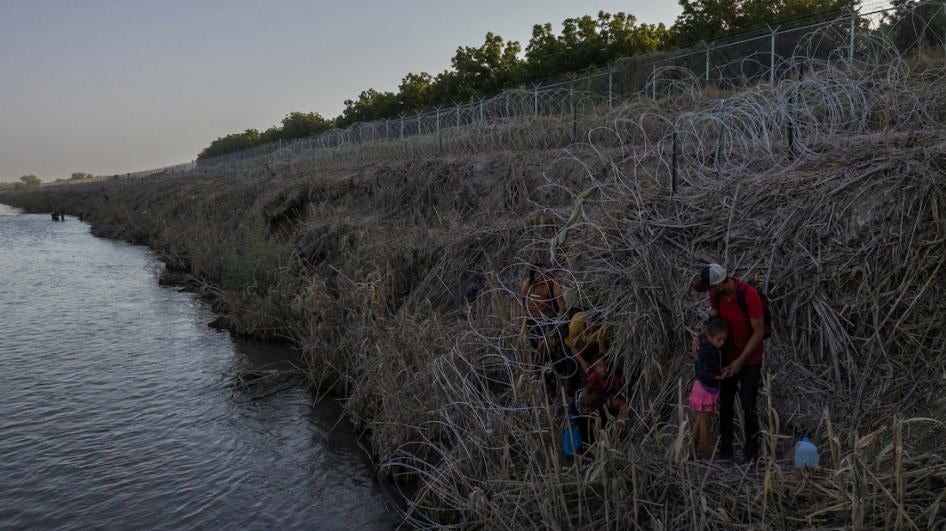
x=603, y=384
x=740, y=330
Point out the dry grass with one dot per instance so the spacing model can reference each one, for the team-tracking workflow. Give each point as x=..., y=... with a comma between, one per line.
x=845, y=232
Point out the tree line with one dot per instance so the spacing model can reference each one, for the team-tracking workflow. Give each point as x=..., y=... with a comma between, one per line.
x=32, y=180
x=581, y=43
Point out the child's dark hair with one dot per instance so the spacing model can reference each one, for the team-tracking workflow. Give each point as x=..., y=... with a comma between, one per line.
x=537, y=268
x=589, y=400
x=716, y=326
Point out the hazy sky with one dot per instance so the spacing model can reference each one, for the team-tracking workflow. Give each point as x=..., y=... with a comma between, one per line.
x=114, y=86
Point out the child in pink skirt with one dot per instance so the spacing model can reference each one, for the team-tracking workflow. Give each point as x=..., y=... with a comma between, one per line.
x=705, y=394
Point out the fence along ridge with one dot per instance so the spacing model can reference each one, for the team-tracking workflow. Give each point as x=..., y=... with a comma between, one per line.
x=480, y=112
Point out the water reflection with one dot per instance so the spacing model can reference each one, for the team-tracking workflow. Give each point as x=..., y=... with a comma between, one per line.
x=116, y=412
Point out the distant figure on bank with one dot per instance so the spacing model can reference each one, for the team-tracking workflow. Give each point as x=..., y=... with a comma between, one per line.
x=55, y=215
x=741, y=307
x=704, y=397
x=81, y=216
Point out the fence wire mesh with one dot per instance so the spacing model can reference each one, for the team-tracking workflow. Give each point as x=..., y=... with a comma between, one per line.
x=567, y=111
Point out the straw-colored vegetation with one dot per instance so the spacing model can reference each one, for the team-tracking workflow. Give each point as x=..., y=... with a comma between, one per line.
x=397, y=280
x=372, y=279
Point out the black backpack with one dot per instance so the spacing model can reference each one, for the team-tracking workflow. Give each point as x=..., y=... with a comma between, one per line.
x=766, y=314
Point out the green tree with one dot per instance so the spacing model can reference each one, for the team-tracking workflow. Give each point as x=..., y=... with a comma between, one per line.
x=297, y=125
x=624, y=38
x=708, y=20
x=476, y=71
x=485, y=69
x=370, y=105
x=913, y=23
x=588, y=42
x=294, y=125
x=30, y=180
x=414, y=92
x=543, y=53
x=583, y=42
x=705, y=20
x=230, y=143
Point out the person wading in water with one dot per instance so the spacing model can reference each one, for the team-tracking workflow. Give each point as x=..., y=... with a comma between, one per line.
x=741, y=307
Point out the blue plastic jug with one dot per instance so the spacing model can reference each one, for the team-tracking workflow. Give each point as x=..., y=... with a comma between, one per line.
x=571, y=439
x=806, y=454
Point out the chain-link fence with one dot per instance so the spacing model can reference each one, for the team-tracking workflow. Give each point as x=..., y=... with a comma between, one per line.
x=558, y=114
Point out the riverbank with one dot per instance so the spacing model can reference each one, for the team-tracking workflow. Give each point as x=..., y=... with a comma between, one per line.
x=334, y=261
x=397, y=281
x=122, y=409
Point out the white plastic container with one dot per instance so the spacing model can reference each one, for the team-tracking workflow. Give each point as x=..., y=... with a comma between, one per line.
x=806, y=454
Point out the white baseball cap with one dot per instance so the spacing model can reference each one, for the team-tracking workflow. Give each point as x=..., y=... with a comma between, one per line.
x=711, y=275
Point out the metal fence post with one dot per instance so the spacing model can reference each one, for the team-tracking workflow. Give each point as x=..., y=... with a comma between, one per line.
x=278, y=148
x=402, y=127
x=439, y=136
x=791, y=126
x=944, y=29
x=482, y=116
x=772, y=58
x=850, y=52
x=707, y=64
x=673, y=165
x=610, y=87
x=719, y=137
x=535, y=100
x=571, y=99
x=458, y=115
x=653, y=77
x=791, y=139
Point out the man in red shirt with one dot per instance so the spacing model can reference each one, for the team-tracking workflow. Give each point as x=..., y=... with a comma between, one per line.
x=740, y=305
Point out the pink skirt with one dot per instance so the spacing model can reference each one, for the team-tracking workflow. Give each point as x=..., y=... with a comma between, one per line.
x=702, y=399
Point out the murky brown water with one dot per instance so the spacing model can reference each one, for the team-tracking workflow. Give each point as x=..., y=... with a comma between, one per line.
x=114, y=410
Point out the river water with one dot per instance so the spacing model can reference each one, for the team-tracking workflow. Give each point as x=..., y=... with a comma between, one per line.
x=115, y=410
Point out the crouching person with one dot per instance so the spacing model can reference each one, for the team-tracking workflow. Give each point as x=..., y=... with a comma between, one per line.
x=606, y=382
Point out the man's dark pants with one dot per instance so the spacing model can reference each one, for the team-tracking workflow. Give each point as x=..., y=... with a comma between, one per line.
x=746, y=385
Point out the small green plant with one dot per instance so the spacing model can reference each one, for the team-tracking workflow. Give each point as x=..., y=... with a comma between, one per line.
x=254, y=258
